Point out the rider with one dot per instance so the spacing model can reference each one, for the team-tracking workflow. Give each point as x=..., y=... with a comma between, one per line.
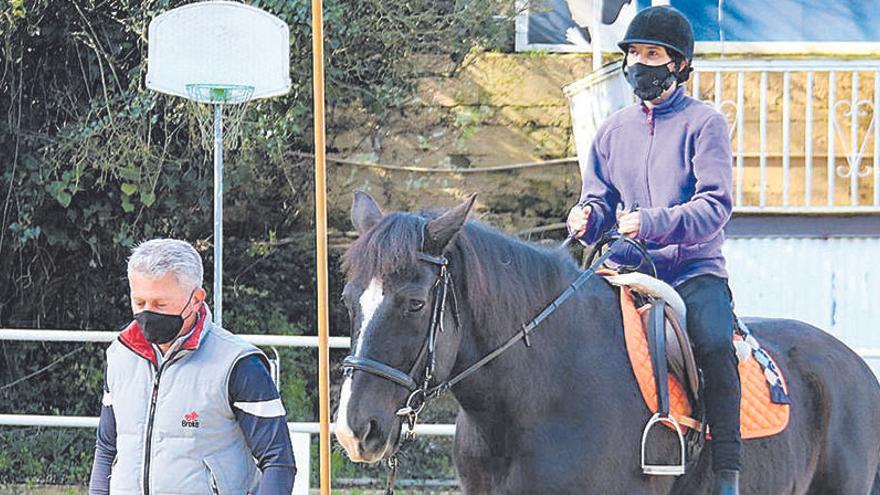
x=667, y=161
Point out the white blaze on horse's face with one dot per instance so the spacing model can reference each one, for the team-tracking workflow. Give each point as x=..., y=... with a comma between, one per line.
x=369, y=302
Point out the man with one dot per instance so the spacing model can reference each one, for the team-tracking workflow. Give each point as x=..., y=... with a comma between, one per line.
x=188, y=407
x=671, y=155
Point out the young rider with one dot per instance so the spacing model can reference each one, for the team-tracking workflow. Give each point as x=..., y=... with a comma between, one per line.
x=667, y=160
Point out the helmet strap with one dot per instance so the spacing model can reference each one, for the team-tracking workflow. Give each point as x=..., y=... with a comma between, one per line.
x=681, y=75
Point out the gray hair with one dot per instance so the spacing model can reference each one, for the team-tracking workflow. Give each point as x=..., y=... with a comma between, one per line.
x=157, y=257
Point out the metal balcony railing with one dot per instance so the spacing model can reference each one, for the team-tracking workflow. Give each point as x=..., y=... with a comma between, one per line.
x=804, y=133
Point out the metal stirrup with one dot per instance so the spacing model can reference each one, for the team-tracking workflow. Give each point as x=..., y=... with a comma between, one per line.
x=663, y=469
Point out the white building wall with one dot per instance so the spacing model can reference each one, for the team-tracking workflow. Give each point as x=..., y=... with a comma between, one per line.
x=833, y=284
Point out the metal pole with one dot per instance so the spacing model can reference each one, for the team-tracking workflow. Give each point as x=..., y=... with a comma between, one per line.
x=786, y=136
x=321, y=242
x=595, y=37
x=218, y=214
x=854, y=155
x=808, y=143
x=832, y=115
x=762, y=130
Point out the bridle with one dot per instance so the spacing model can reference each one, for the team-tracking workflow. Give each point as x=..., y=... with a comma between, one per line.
x=422, y=390
x=419, y=390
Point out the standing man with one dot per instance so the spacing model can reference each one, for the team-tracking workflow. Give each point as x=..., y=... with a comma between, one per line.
x=188, y=407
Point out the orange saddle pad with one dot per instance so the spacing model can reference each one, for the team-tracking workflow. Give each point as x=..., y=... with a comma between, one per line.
x=759, y=417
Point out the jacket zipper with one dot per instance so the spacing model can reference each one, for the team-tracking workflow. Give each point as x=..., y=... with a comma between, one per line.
x=651, y=128
x=149, y=439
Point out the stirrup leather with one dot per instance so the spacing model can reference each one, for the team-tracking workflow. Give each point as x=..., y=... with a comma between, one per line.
x=657, y=346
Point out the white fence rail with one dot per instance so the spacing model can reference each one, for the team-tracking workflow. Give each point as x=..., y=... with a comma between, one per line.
x=300, y=432
x=105, y=336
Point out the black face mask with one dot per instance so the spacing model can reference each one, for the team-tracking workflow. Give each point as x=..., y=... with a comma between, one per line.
x=161, y=328
x=649, y=81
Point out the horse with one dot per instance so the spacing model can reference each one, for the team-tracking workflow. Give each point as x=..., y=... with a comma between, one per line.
x=564, y=414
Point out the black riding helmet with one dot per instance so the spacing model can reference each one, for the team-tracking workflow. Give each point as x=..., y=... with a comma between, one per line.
x=663, y=26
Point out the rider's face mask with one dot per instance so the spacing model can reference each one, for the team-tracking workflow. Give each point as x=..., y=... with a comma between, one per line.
x=161, y=328
x=649, y=81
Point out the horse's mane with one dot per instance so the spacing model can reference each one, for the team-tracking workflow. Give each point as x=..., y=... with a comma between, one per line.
x=505, y=280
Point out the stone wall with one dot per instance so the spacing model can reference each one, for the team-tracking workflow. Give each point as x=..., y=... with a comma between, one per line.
x=498, y=109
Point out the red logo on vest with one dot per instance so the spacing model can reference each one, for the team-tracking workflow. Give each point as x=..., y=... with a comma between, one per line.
x=190, y=420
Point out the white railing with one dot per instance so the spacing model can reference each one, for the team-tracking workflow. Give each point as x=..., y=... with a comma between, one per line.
x=300, y=432
x=804, y=108
x=105, y=336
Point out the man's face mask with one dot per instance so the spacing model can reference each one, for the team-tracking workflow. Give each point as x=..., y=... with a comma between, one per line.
x=161, y=328
x=649, y=81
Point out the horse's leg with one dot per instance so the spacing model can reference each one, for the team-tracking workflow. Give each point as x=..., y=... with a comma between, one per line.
x=592, y=459
x=550, y=457
x=851, y=451
x=846, y=470
x=479, y=472
x=833, y=439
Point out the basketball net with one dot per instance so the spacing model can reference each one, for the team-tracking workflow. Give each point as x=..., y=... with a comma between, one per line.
x=233, y=101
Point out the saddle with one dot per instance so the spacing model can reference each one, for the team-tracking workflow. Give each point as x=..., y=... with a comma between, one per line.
x=663, y=308
x=656, y=339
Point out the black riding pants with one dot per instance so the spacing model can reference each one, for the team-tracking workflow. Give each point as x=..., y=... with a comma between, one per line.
x=710, y=324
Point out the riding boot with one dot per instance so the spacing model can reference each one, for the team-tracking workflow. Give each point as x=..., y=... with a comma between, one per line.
x=726, y=482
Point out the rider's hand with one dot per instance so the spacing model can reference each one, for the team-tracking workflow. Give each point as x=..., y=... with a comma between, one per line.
x=577, y=220
x=628, y=223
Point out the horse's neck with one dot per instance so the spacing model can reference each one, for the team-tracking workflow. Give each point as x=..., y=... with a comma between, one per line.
x=579, y=331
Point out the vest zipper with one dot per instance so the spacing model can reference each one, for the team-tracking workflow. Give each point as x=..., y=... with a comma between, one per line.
x=149, y=440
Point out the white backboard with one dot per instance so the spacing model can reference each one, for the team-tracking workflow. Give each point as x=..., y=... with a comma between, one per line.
x=222, y=43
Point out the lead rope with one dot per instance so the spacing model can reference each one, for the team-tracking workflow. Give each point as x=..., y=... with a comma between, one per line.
x=393, y=463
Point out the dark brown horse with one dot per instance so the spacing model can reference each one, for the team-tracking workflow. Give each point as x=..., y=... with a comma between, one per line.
x=565, y=415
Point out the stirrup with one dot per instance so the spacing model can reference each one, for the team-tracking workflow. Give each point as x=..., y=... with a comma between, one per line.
x=663, y=469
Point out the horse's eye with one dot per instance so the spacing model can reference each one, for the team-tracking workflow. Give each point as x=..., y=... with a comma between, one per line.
x=415, y=305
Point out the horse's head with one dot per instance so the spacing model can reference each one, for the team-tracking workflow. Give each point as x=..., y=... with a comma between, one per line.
x=396, y=279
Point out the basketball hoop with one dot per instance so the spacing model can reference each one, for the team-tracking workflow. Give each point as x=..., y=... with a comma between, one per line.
x=219, y=55
x=231, y=100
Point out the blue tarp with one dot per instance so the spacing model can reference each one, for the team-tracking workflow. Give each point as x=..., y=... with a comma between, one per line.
x=741, y=20
x=784, y=20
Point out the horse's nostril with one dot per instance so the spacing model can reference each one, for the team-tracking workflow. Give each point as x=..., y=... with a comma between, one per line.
x=371, y=431
x=371, y=438
x=365, y=432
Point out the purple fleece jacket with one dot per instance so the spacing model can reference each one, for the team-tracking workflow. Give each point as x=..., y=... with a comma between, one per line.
x=674, y=162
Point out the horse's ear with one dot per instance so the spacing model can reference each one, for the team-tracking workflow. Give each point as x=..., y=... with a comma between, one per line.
x=365, y=212
x=442, y=229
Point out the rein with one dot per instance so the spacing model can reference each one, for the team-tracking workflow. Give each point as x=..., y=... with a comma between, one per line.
x=421, y=394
